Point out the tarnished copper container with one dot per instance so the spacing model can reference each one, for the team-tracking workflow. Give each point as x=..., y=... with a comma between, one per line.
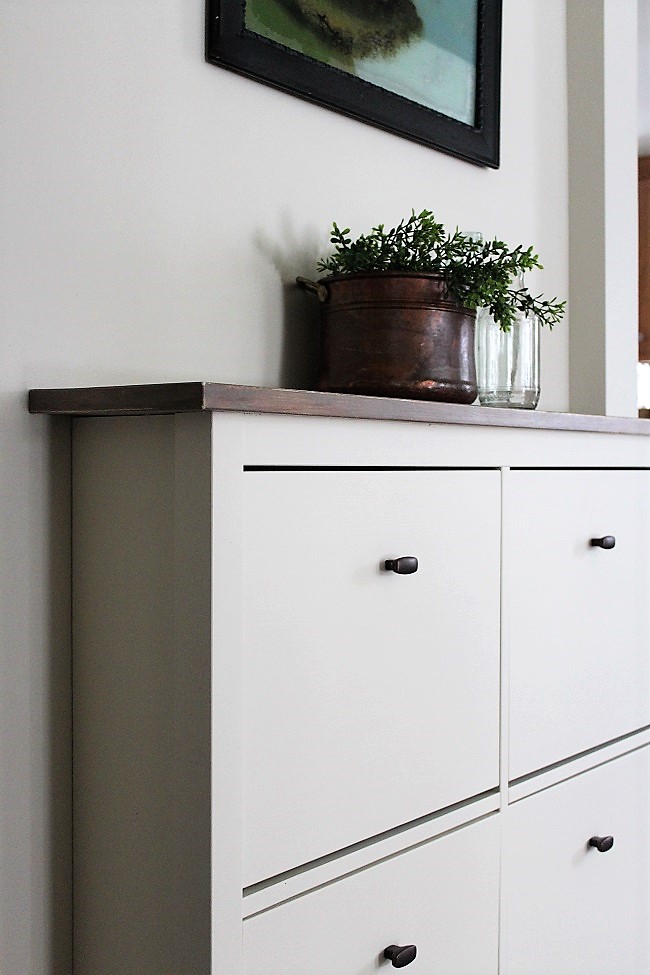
x=395, y=334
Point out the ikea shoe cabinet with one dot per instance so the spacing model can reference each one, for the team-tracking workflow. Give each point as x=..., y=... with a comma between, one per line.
x=358, y=684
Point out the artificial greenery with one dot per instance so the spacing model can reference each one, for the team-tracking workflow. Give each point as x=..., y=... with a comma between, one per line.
x=477, y=273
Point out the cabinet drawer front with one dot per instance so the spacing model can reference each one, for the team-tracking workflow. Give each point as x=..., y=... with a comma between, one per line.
x=441, y=897
x=370, y=697
x=571, y=909
x=579, y=614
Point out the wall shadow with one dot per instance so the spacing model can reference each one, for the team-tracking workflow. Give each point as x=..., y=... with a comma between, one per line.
x=301, y=339
x=293, y=254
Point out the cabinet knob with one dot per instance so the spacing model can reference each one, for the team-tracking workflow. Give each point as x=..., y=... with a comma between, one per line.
x=602, y=843
x=607, y=541
x=404, y=566
x=400, y=955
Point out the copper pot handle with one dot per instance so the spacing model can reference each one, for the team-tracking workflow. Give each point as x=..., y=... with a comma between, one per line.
x=320, y=290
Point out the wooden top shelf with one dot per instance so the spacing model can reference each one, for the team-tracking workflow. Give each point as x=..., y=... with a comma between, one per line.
x=205, y=396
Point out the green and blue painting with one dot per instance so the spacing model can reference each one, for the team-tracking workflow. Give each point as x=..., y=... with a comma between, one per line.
x=424, y=50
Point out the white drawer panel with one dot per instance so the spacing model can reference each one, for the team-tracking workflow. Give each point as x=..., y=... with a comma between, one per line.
x=441, y=897
x=570, y=909
x=579, y=615
x=370, y=698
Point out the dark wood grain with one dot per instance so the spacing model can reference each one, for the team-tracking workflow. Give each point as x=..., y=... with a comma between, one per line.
x=644, y=259
x=119, y=400
x=198, y=396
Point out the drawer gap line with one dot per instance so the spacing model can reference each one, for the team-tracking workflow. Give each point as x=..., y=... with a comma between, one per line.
x=256, y=468
x=368, y=842
x=365, y=866
x=588, y=751
x=543, y=467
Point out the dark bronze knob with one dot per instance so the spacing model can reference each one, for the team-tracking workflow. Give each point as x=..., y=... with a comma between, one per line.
x=404, y=566
x=602, y=843
x=400, y=955
x=607, y=541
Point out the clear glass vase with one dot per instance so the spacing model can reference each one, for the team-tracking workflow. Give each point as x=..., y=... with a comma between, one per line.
x=507, y=363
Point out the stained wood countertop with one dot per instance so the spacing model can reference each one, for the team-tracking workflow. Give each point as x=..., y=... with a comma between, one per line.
x=184, y=397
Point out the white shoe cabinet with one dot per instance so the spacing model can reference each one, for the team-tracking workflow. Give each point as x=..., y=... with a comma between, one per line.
x=357, y=684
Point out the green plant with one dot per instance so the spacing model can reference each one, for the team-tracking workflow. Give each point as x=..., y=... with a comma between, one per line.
x=476, y=273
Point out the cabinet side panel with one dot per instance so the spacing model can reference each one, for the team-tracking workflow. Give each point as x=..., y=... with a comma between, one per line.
x=226, y=759
x=141, y=659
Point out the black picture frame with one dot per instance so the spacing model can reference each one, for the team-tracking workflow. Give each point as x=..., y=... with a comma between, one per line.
x=230, y=45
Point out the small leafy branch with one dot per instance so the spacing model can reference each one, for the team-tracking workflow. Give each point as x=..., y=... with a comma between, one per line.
x=476, y=273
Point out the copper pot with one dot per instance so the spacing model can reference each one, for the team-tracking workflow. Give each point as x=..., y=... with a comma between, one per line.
x=392, y=333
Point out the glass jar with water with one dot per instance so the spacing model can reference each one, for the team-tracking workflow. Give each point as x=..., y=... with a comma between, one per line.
x=507, y=363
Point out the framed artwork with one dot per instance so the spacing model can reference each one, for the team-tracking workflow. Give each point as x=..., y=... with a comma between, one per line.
x=428, y=70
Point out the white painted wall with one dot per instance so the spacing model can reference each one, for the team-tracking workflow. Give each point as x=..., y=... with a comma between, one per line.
x=155, y=211
x=644, y=77
x=158, y=206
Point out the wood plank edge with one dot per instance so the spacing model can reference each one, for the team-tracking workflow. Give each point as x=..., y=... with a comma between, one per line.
x=142, y=399
x=252, y=399
x=198, y=396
